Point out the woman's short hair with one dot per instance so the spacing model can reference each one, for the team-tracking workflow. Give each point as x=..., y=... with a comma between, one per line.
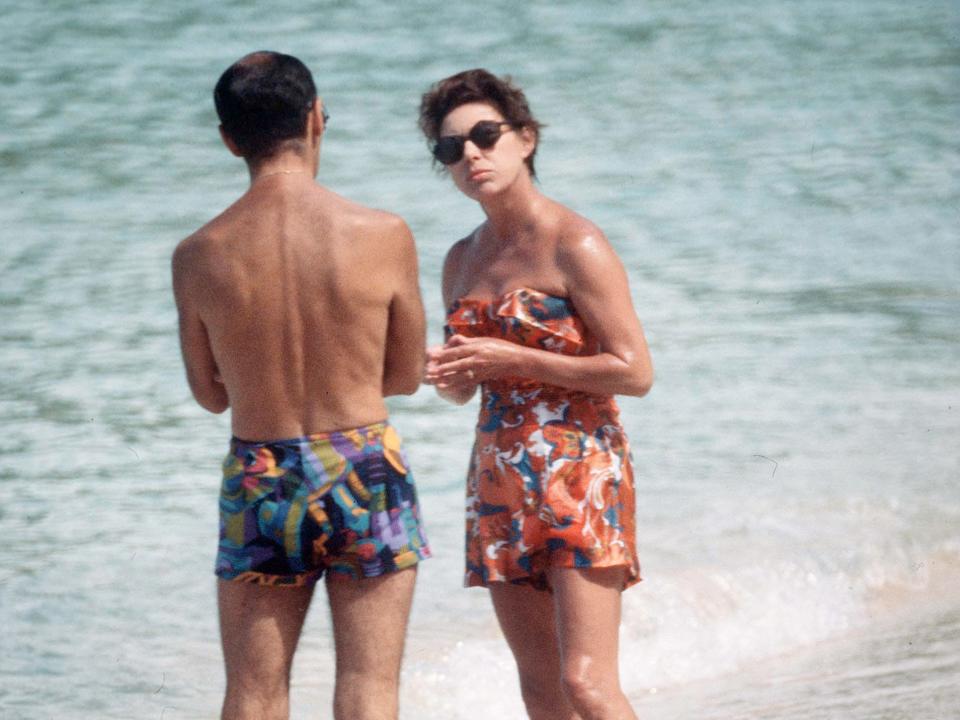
x=477, y=85
x=263, y=100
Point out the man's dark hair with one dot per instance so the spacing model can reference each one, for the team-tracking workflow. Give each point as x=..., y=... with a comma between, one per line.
x=482, y=86
x=263, y=101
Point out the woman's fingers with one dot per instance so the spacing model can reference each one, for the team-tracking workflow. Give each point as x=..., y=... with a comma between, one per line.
x=451, y=372
x=456, y=385
x=452, y=354
x=457, y=341
x=465, y=360
x=454, y=367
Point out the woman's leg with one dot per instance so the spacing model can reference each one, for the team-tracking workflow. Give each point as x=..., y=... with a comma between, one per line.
x=528, y=622
x=587, y=611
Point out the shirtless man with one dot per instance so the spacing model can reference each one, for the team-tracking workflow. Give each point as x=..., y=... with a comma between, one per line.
x=300, y=311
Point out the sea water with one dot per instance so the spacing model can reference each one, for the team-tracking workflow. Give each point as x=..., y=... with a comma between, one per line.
x=782, y=182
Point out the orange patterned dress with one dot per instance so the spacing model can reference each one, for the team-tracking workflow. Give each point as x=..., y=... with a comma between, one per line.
x=550, y=482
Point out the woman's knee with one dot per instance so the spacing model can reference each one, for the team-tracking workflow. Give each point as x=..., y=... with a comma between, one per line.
x=585, y=685
x=543, y=697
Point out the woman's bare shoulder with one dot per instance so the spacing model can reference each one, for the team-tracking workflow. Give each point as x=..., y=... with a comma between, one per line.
x=579, y=240
x=455, y=264
x=458, y=252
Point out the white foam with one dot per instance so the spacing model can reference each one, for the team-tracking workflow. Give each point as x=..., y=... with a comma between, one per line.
x=688, y=625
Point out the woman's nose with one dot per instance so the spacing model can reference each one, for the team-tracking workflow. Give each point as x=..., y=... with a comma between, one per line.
x=470, y=149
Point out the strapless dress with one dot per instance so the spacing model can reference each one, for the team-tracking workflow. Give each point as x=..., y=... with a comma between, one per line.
x=550, y=482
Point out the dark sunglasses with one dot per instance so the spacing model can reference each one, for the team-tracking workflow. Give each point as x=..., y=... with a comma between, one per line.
x=324, y=114
x=449, y=148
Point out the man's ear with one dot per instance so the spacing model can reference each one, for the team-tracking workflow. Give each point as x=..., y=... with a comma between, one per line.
x=228, y=141
x=316, y=118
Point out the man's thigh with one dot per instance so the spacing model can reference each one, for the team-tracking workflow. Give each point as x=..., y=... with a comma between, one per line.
x=259, y=628
x=370, y=622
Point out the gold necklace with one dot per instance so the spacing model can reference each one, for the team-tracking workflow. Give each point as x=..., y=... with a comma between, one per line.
x=282, y=172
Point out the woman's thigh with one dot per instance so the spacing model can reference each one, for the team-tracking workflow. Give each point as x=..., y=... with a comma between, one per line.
x=587, y=608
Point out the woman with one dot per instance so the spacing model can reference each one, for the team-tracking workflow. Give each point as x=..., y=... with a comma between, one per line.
x=540, y=317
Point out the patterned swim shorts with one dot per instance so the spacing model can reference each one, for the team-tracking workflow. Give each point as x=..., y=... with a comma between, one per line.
x=343, y=502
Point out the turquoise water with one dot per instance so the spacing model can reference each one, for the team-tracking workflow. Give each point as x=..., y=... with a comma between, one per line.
x=782, y=181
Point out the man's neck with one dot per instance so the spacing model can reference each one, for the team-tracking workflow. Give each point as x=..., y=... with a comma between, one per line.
x=283, y=164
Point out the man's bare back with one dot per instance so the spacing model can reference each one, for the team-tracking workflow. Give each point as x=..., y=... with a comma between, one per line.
x=291, y=306
x=300, y=311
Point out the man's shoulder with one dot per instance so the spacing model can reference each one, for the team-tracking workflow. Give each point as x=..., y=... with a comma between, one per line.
x=197, y=253
x=372, y=227
x=194, y=247
x=189, y=250
x=363, y=217
x=223, y=225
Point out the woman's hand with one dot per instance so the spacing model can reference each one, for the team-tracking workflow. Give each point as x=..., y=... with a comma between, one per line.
x=456, y=392
x=468, y=361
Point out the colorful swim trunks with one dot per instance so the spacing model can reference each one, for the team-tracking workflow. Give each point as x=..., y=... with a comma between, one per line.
x=340, y=502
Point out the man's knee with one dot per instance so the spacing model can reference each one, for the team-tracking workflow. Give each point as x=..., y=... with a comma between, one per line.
x=371, y=679
x=246, y=702
x=366, y=696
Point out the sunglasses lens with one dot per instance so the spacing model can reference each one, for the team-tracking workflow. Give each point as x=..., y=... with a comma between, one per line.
x=448, y=150
x=485, y=134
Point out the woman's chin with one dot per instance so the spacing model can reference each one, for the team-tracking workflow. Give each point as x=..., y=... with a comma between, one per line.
x=483, y=190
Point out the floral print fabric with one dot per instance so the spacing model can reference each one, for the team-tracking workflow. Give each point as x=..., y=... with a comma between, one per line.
x=550, y=482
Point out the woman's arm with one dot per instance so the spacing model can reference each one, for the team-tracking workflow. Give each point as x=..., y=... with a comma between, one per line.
x=598, y=287
x=458, y=390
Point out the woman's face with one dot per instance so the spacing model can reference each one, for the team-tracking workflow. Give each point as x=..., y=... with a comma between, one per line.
x=482, y=173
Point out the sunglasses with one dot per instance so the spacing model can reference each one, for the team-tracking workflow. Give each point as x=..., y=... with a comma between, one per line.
x=449, y=148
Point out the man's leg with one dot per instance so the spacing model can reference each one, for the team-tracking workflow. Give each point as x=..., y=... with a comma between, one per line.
x=259, y=628
x=587, y=603
x=369, y=627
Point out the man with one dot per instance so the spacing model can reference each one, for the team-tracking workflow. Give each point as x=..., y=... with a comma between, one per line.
x=300, y=311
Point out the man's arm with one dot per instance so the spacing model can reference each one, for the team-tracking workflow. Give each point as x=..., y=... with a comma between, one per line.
x=406, y=329
x=202, y=373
